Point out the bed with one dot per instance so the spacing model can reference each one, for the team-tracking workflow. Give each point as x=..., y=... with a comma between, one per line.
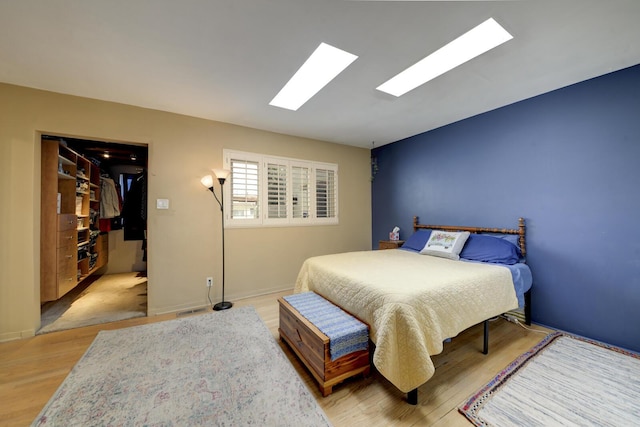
x=415, y=301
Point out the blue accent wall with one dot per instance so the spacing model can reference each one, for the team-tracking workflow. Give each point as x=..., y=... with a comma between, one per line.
x=568, y=161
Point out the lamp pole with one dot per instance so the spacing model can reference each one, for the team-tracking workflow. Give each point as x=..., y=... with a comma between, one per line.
x=207, y=181
x=222, y=305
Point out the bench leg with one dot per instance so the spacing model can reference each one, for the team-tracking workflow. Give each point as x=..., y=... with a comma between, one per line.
x=412, y=397
x=326, y=391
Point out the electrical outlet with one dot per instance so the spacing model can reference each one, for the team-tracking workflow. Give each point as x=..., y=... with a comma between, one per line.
x=209, y=282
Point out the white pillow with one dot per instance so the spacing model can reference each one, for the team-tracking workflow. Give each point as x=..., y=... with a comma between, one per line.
x=445, y=244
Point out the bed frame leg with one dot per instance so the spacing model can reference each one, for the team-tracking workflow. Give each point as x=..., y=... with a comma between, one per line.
x=412, y=397
x=485, y=350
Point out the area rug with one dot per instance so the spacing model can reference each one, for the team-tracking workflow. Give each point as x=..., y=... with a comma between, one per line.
x=563, y=381
x=107, y=298
x=215, y=369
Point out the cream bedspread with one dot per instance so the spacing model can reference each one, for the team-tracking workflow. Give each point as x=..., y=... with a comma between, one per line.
x=411, y=302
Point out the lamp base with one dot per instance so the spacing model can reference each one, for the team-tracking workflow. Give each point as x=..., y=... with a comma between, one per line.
x=224, y=305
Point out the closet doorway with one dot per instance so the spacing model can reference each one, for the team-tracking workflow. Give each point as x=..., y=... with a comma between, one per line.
x=115, y=289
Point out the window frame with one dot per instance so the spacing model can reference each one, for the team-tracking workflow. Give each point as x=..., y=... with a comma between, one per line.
x=263, y=219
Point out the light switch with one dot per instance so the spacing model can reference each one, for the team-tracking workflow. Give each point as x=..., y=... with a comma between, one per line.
x=162, y=203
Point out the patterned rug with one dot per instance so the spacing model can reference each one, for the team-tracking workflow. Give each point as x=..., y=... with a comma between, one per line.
x=220, y=368
x=562, y=381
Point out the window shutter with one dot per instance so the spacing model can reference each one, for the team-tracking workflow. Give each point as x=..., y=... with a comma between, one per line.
x=244, y=189
x=326, y=202
x=270, y=191
x=300, y=192
x=276, y=190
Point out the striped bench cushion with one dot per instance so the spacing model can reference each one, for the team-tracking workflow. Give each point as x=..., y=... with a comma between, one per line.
x=346, y=333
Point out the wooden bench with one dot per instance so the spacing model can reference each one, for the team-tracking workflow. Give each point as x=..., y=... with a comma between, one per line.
x=312, y=347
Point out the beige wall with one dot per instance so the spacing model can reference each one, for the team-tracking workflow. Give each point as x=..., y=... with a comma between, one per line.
x=124, y=255
x=184, y=241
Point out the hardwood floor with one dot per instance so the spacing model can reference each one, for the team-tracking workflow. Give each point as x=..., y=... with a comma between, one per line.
x=32, y=369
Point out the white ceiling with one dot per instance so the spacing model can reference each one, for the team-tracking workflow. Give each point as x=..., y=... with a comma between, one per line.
x=226, y=59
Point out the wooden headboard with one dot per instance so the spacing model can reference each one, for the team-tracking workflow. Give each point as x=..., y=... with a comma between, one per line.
x=520, y=231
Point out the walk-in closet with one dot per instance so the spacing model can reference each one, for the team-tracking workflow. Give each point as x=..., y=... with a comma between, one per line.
x=93, y=247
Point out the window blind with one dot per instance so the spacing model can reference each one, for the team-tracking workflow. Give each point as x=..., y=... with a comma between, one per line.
x=276, y=190
x=300, y=186
x=270, y=191
x=244, y=188
x=325, y=194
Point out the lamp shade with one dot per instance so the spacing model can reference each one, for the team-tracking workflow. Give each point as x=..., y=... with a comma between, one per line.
x=207, y=181
x=221, y=173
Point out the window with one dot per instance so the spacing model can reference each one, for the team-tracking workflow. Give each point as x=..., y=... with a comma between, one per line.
x=126, y=179
x=278, y=191
x=325, y=193
x=300, y=184
x=244, y=189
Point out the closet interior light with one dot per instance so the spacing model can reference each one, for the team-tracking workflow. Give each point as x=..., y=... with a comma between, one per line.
x=471, y=44
x=324, y=64
x=106, y=154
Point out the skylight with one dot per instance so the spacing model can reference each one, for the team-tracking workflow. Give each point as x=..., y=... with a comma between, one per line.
x=324, y=64
x=473, y=43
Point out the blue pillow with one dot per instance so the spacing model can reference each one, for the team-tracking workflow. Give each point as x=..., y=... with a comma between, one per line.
x=416, y=242
x=480, y=247
x=513, y=238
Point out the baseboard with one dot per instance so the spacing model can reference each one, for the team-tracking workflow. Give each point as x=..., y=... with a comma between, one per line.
x=195, y=306
x=263, y=292
x=12, y=336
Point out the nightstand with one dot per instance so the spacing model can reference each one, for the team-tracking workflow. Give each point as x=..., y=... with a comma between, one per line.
x=390, y=244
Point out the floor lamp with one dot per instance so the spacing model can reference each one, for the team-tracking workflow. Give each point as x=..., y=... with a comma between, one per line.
x=207, y=181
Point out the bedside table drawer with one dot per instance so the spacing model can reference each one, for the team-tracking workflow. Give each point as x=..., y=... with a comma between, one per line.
x=390, y=244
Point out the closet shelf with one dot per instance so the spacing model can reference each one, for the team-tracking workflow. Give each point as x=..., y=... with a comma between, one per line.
x=62, y=175
x=70, y=189
x=63, y=160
